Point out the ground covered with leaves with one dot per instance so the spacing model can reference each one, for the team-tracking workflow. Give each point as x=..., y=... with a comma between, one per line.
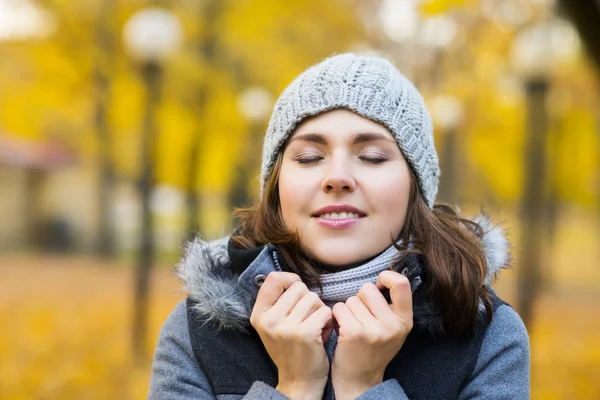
x=66, y=331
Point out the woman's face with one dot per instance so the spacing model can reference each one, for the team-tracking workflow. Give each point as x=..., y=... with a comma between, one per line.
x=344, y=186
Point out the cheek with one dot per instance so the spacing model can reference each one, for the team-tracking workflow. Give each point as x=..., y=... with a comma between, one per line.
x=390, y=195
x=293, y=195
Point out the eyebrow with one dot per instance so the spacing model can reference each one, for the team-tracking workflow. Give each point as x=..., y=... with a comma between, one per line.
x=359, y=138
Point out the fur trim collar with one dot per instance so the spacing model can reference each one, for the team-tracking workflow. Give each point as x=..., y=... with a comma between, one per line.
x=210, y=281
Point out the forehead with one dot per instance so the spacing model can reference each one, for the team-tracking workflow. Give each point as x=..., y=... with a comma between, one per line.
x=340, y=123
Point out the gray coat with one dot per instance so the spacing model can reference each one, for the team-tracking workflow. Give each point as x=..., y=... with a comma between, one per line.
x=224, y=299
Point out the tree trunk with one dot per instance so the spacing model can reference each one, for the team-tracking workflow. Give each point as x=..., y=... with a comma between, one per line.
x=34, y=184
x=448, y=184
x=106, y=49
x=247, y=168
x=553, y=208
x=210, y=11
x=598, y=174
x=192, y=200
x=105, y=247
x=533, y=202
x=152, y=75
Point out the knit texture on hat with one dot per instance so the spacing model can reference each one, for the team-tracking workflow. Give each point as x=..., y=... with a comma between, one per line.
x=371, y=87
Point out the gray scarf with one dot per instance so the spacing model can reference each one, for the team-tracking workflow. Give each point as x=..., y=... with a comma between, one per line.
x=339, y=286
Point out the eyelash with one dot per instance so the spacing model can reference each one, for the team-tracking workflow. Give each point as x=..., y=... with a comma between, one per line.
x=370, y=160
x=308, y=160
x=374, y=160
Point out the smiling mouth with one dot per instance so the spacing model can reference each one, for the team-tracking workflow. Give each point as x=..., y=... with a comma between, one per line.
x=342, y=215
x=334, y=212
x=338, y=221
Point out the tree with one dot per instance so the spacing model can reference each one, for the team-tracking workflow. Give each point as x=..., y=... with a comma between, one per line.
x=105, y=38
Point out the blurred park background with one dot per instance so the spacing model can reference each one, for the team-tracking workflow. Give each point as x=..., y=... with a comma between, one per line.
x=128, y=126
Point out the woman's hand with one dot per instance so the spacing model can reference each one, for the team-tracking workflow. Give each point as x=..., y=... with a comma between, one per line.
x=371, y=332
x=293, y=324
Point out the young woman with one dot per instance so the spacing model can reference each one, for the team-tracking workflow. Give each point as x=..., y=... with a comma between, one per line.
x=344, y=281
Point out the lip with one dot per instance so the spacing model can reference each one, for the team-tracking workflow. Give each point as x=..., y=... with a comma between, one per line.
x=337, y=224
x=339, y=208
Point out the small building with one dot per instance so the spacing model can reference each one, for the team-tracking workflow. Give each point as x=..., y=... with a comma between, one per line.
x=28, y=170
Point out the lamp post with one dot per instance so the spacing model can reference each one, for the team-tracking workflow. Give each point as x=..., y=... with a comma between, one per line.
x=254, y=104
x=150, y=37
x=447, y=113
x=105, y=42
x=533, y=59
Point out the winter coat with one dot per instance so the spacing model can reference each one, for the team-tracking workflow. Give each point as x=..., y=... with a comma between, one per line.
x=208, y=350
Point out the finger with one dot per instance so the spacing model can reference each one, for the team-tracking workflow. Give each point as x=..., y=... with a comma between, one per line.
x=375, y=302
x=344, y=318
x=360, y=311
x=272, y=288
x=309, y=302
x=286, y=302
x=400, y=292
x=320, y=320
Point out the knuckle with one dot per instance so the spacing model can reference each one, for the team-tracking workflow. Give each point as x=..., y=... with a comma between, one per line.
x=401, y=325
x=283, y=332
x=403, y=280
x=337, y=308
x=299, y=286
x=376, y=335
x=374, y=339
x=364, y=290
x=387, y=336
x=302, y=332
x=386, y=274
x=368, y=287
x=395, y=325
x=313, y=297
x=351, y=300
x=356, y=335
x=271, y=279
x=325, y=311
x=401, y=285
x=267, y=323
x=255, y=318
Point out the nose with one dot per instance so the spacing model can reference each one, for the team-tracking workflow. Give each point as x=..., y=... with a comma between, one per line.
x=338, y=177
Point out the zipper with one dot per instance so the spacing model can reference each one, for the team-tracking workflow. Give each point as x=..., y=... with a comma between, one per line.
x=276, y=260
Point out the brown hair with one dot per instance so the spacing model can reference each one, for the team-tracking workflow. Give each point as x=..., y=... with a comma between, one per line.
x=450, y=245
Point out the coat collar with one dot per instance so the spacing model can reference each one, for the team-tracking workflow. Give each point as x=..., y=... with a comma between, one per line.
x=224, y=282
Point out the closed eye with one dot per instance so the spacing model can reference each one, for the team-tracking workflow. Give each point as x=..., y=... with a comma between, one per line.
x=374, y=158
x=307, y=158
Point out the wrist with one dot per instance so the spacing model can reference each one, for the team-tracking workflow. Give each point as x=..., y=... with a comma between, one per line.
x=353, y=388
x=302, y=391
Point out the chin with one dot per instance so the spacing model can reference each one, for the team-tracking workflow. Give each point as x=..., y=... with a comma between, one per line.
x=338, y=254
x=344, y=252
x=337, y=258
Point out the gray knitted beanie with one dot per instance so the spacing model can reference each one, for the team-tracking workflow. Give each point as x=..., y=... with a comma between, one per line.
x=371, y=87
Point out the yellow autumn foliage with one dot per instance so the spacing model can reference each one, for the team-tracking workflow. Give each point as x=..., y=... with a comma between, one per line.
x=48, y=88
